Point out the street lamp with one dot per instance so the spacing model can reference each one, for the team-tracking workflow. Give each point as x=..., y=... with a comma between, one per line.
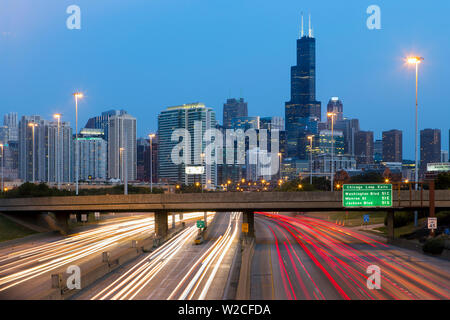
x=279, y=156
x=124, y=171
x=33, y=125
x=3, y=164
x=332, y=114
x=416, y=61
x=77, y=95
x=58, y=164
x=151, y=136
x=310, y=138
x=201, y=178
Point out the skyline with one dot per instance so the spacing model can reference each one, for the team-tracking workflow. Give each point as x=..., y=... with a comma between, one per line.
x=263, y=50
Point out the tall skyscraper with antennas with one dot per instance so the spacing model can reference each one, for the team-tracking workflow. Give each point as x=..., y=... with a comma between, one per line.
x=303, y=110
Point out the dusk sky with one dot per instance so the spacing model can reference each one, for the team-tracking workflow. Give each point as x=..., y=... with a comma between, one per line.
x=145, y=55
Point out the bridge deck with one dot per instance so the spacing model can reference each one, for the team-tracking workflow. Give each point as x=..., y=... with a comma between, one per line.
x=233, y=201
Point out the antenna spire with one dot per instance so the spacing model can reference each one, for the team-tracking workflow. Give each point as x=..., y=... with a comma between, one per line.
x=309, y=27
x=301, y=36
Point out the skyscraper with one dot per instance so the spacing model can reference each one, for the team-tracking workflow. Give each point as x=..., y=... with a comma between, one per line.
x=272, y=123
x=430, y=147
x=378, y=151
x=93, y=155
x=303, y=103
x=392, y=146
x=335, y=106
x=10, y=121
x=122, y=147
x=364, y=147
x=196, y=118
x=49, y=155
x=233, y=108
x=349, y=127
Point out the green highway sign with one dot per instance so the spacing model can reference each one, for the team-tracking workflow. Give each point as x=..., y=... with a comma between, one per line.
x=366, y=195
x=200, y=224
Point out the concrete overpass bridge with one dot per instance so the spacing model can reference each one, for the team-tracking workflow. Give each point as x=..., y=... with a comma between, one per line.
x=248, y=203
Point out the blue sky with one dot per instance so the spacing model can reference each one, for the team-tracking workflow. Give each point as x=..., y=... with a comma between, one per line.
x=145, y=55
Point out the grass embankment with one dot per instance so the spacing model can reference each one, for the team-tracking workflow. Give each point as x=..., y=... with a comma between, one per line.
x=351, y=218
x=407, y=229
x=10, y=230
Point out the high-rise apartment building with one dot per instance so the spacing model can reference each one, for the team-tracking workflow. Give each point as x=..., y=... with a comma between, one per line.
x=45, y=151
x=122, y=147
x=93, y=155
x=10, y=121
x=195, y=118
x=392, y=146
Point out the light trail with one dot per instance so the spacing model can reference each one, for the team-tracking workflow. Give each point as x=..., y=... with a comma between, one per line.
x=341, y=255
x=26, y=264
x=133, y=281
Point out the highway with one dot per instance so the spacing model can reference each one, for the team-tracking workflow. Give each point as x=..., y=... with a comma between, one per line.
x=26, y=268
x=178, y=269
x=302, y=258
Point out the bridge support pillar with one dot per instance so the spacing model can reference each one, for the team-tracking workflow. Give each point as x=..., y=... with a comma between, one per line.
x=390, y=225
x=173, y=220
x=62, y=222
x=249, y=218
x=161, y=224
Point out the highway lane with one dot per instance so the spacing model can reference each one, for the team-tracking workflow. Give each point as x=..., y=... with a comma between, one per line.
x=25, y=269
x=300, y=258
x=176, y=270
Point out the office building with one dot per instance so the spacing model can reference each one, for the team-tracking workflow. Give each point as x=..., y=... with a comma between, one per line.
x=122, y=147
x=378, y=151
x=364, y=147
x=324, y=143
x=233, y=108
x=245, y=123
x=335, y=106
x=303, y=103
x=272, y=123
x=444, y=156
x=392, y=146
x=430, y=147
x=349, y=127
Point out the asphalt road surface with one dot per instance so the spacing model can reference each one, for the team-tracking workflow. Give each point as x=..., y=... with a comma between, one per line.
x=178, y=269
x=299, y=258
x=26, y=266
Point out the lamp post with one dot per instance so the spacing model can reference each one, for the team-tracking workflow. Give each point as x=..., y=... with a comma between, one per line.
x=57, y=116
x=33, y=125
x=280, y=158
x=77, y=95
x=332, y=114
x=151, y=136
x=3, y=164
x=416, y=61
x=310, y=138
x=201, y=178
x=124, y=170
